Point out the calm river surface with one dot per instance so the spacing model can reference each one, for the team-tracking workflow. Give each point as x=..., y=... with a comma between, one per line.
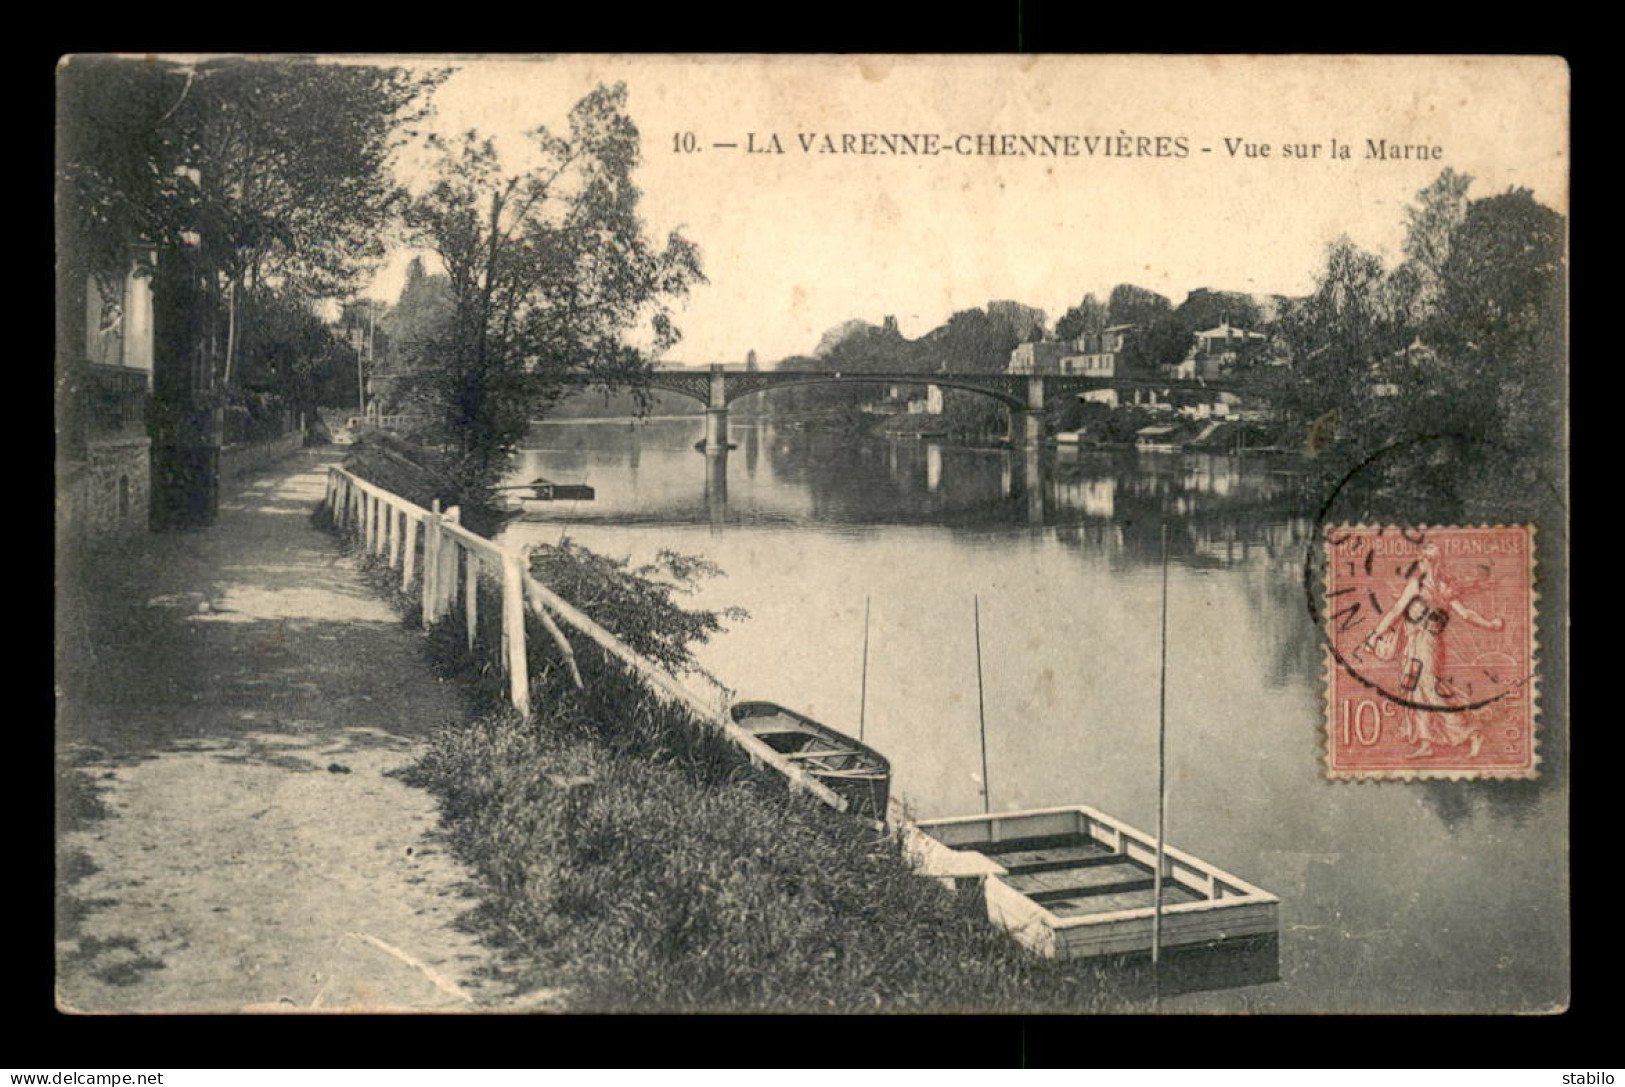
x=1442, y=896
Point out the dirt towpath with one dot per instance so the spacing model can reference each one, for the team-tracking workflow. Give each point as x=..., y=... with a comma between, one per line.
x=231, y=703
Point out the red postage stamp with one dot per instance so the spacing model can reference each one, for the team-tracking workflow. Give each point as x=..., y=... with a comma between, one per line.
x=1431, y=651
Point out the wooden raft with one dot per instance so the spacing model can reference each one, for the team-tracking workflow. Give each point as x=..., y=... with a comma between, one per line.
x=1075, y=882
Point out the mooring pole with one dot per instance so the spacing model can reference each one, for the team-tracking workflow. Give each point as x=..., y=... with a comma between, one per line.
x=1162, y=783
x=981, y=710
x=863, y=694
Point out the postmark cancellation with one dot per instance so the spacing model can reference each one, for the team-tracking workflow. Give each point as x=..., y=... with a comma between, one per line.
x=1431, y=652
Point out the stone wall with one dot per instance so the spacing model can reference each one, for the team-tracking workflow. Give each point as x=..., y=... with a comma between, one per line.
x=106, y=495
x=236, y=460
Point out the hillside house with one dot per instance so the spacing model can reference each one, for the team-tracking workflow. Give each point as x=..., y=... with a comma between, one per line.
x=1100, y=354
x=1043, y=357
x=1217, y=351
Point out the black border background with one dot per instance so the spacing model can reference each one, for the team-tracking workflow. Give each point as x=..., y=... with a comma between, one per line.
x=41, y=1039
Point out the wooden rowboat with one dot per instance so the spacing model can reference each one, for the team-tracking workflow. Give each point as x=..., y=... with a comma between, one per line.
x=851, y=769
x=542, y=490
x=1075, y=882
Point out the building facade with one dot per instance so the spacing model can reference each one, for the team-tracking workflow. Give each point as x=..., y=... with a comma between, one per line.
x=1217, y=351
x=104, y=387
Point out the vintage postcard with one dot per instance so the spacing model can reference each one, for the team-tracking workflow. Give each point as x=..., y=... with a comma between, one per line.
x=809, y=534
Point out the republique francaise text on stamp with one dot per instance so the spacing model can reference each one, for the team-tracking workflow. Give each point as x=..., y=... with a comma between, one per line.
x=1431, y=652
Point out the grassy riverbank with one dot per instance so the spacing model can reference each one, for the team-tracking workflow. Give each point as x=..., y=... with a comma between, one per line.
x=633, y=858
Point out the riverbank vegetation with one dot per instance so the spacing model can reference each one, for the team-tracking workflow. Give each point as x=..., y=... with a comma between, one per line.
x=632, y=857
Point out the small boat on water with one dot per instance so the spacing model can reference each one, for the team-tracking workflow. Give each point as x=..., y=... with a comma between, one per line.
x=853, y=770
x=1075, y=882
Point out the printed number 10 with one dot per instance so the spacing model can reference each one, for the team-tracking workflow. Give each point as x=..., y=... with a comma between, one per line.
x=684, y=142
x=1354, y=723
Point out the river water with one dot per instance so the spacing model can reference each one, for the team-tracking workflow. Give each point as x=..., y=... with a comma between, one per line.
x=1439, y=897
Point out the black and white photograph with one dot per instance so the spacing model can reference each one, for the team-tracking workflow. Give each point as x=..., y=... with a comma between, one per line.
x=716, y=534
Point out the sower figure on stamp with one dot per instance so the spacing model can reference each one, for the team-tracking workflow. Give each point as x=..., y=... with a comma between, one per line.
x=1431, y=597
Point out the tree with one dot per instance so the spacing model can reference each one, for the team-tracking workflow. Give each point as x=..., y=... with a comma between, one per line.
x=831, y=339
x=1131, y=305
x=274, y=172
x=1025, y=323
x=1431, y=224
x=418, y=322
x=1340, y=332
x=1204, y=308
x=548, y=271
x=289, y=356
x=971, y=340
x=1499, y=322
x=1085, y=317
x=1163, y=342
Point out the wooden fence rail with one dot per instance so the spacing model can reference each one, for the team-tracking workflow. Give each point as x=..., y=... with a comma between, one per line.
x=393, y=529
x=389, y=527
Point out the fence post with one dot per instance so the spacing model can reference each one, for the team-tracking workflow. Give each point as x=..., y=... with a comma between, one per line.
x=513, y=632
x=446, y=579
x=471, y=597
x=409, y=558
x=387, y=547
x=397, y=526
x=431, y=563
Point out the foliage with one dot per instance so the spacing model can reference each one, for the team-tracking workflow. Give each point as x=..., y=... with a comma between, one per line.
x=1087, y=316
x=638, y=605
x=634, y=858
x=832, y=337
x=1431, y=224
x=1459, y=351
x=548, y=270
x=1204, y=309
x=972, y=341
x=1335, y=334
x=1024, y=323
x=275, y=170
x=1116, y=425
x=1131, y=305
x=287, y=350
x=1163, y=342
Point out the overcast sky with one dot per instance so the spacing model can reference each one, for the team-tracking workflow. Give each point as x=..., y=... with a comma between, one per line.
x=795, y=243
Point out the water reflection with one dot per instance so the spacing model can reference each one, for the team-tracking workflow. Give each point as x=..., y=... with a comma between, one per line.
x=650, y=472
x=716, y=486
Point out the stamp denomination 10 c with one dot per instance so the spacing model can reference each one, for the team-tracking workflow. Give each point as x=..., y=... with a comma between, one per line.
x=1431, y=652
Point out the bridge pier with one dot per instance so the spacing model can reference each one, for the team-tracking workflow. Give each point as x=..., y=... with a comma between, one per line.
x=716, y=412
x=1027, y=424
x=1027, y=428
x=1032, y=482
x=716, y=487
x=716, y=430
